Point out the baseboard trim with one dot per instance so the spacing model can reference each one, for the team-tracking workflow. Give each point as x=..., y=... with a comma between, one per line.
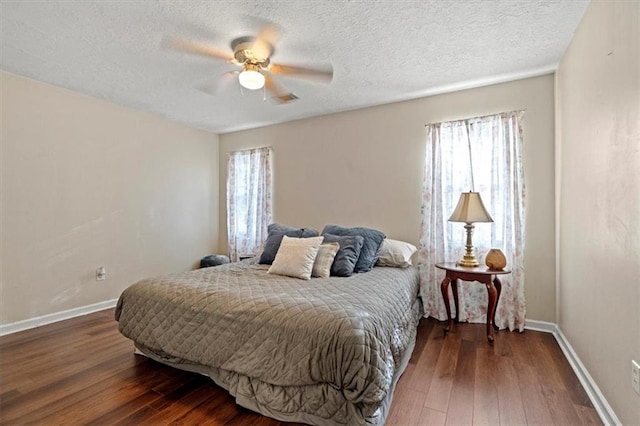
x=606, y=413
x=547, y=327
x=55, y=317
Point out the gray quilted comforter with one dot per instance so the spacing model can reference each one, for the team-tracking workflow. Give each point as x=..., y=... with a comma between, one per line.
x=324, y=351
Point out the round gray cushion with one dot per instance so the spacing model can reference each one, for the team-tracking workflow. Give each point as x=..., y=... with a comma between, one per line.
x=213, y=260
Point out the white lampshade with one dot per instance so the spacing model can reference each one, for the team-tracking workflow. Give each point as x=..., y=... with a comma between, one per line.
x=470, y=209
x=251, y=79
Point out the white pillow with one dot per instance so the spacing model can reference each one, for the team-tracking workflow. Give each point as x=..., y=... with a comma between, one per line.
x=395, y=253
x=295, y=257
x=324, y=260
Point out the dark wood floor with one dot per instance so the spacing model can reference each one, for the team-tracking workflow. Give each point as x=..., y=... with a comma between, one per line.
x=83, y=371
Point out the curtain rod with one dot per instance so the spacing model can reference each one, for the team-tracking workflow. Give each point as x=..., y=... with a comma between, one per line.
x=517, y=111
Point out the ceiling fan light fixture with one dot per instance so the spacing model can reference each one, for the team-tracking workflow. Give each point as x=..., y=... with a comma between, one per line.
x=250, y=78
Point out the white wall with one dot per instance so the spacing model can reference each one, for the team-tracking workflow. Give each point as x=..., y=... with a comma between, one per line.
x=365, y=167
x=86, y=183
x=598, y=85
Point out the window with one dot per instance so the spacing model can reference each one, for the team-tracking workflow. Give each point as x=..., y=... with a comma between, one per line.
x=483, y=154
x=248, y=201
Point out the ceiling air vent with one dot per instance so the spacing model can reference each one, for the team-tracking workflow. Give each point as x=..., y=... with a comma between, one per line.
x=283, y=99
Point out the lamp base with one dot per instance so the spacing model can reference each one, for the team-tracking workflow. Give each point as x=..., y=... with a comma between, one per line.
x=468, y=263
x=469, y=259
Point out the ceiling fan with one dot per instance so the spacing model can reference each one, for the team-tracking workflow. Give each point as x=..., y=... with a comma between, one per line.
x=253, y=56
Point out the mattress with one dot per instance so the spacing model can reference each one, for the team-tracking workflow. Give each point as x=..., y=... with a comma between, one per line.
x=323, y=351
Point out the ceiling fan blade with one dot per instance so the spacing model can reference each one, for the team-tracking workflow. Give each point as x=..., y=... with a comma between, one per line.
x=323, y=75
x=279, y=93
x=272, y=86
x=263, y=45
x=189, y=46
x=214, y=87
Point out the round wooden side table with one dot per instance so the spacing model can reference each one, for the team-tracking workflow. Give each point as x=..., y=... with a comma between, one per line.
x=481, y=274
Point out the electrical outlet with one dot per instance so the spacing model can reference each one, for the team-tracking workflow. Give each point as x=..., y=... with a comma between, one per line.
x=101, y=274
x=635, y=376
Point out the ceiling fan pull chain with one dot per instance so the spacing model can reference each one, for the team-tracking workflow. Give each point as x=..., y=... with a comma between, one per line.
x=264, y=93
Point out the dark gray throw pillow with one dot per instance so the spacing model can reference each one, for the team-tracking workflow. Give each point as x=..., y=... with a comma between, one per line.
x=372, y=241
x=274, y=237
x=347, y=256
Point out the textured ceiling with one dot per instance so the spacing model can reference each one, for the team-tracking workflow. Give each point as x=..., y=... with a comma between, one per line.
x=381, y=51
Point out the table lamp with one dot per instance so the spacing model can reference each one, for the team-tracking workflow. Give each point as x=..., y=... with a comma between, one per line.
x=470, y=209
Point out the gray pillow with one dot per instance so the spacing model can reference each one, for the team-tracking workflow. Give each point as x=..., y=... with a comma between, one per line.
x=372, y=241
x=347, y=256
x=274, y=238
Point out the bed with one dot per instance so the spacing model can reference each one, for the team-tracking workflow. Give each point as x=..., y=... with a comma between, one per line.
x=326, y=351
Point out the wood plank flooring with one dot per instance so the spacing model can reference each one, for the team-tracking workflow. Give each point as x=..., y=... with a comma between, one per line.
x=82, y=371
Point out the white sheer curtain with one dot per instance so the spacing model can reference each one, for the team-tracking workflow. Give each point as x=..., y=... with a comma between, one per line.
x=496, y=157
x=248, y=201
